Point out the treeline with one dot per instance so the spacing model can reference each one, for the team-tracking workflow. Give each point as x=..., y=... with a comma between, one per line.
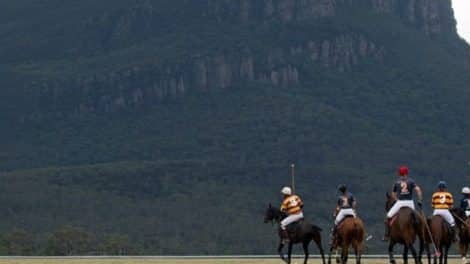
x=65, y=241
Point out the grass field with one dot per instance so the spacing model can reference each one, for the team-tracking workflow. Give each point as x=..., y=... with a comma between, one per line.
x=185, y=261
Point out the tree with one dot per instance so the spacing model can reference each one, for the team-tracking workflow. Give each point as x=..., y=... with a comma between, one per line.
x=117, y=245
x=18, y=242
x=68, y=241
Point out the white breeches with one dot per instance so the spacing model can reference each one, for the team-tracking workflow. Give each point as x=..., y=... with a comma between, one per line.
x=446, y=215
x=399, y=204
x=291, y=219
x=343, y=213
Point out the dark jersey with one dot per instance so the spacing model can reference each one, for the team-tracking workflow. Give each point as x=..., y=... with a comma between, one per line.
x=465, y=204
x=404, y=189
x=346, y=201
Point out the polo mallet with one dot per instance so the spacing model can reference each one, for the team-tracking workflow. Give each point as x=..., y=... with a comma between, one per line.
x=436, y=251
x=461, y=220
x=292, y=167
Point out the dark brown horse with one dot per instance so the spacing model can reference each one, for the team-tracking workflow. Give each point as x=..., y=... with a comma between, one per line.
x=406, y=226
x=350, y=232
x=463, y=222
x=441, y=237
x=302, y=232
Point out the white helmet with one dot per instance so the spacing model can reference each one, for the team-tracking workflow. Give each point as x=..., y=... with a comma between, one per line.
x=286, y=190
x=466, y=190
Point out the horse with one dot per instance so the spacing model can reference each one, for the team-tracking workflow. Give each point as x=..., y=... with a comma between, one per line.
x=406, y=226
x=463, y=223
x=441, y=236
x=349, y=232
x=300, y=232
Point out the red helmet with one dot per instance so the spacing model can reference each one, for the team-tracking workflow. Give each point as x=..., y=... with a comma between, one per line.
x=403, y=170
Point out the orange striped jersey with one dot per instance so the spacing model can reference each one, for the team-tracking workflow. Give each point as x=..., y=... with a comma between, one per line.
x=292, y=204
x=442, y=200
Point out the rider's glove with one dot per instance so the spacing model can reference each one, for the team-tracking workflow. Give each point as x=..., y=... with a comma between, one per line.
x=420, y=205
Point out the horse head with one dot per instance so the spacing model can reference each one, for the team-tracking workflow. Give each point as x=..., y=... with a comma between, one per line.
x=272, y=214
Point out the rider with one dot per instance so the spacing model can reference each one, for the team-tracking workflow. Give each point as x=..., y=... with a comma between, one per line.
x=442, y=201
x=292, y=205
x=465, y=202
x=403, y=193
x=345, y=206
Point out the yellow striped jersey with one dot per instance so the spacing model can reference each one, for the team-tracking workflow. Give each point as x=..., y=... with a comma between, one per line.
x=292, y=204
x=442, y=200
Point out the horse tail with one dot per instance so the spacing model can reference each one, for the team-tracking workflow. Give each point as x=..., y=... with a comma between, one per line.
x=358, y=228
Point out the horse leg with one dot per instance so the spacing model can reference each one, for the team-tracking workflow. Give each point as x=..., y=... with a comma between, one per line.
x=441, y=257
x=305, y=246
x=414, y=253
x=329, y=253
x=357, y=251
x=428, y=251
x=317, y=238
x=390, y=252
x=344, y=252
x=423, y=247
x=446, y=253
x=279, y=251
x=289, y=252
x=463, y=251
x=405, y=254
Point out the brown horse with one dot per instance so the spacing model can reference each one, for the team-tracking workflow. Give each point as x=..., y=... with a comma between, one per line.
x=406, y=226
x=350, y=233
x=463, y=222
x=441, y=236
x=302, y=232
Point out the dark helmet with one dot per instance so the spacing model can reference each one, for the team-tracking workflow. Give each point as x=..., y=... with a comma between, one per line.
x=342, y=188
x=442, y=185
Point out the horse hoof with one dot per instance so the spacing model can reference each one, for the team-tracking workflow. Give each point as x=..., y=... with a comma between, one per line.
x=393, y=261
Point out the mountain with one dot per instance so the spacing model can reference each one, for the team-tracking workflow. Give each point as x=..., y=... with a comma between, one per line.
x=175, y=123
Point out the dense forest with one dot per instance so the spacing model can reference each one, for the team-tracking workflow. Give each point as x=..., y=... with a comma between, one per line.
x=166, y=127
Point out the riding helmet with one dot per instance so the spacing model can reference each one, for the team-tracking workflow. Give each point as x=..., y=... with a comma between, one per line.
x=342, y=188
x=465, y=190
x=442, y=185
x=403, y=170
x=286, y=190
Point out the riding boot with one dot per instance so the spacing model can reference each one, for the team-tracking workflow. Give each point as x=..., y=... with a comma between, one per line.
x=285, y=237
x=455, y=234
x=387, y=230
x=333, y=235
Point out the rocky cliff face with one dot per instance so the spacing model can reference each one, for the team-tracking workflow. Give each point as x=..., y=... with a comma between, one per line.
x=281, y=66
x=138, y=86
x=432, y=16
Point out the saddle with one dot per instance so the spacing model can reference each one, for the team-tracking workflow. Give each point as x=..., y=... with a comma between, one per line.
x=415, y=218
x=294, y=226
x=340, y=224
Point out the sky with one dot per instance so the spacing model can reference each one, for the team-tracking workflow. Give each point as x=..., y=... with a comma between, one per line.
x=462, y=14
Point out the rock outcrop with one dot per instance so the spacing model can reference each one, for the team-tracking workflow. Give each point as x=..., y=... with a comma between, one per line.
x=146, y=85
x=432, y=16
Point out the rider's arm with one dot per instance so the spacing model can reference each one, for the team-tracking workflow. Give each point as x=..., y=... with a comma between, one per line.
x=393, y=193
x=451, y=202
x=419, y=193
